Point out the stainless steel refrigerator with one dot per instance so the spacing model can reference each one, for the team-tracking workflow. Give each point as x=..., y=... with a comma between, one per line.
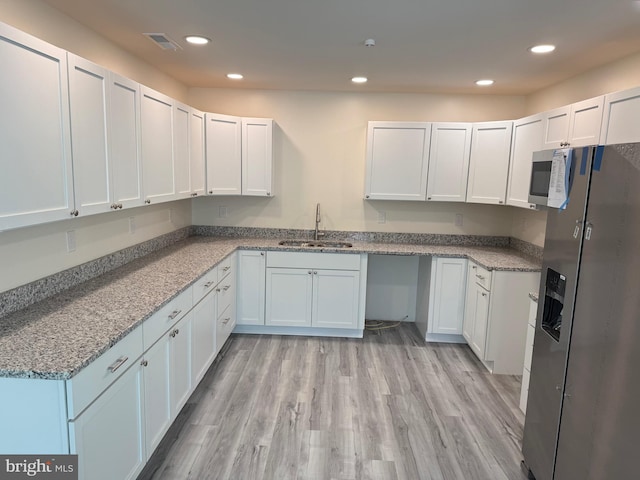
x=583, y=412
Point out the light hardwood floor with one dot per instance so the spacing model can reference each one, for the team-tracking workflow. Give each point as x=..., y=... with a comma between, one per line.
x=386, y=407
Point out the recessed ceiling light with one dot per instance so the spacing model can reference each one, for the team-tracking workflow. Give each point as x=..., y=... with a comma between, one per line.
x=542, y=49
x=197, y=40
x=234, y=76
x=359, y=79
x=484, y=83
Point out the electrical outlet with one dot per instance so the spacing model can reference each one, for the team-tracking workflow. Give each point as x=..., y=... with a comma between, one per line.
x=223, y=212
x=382, y=216
x=71, y=241
x=458, y=220
x=132, y=225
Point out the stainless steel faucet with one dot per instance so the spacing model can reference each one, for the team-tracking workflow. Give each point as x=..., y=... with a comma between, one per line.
x=317, y=234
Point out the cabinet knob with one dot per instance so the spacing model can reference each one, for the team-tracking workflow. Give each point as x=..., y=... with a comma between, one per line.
x=309, y=272
x=315, y=273
x=366, y=196
x=500, y=202
x=114, y=206
x=120, y=206
x=208, y=284
x=210, y=192
x=484, y=294
x=531, y=205
x=74, y=213
x=268, y=194
x=144, y=363
x=428, y=198
x=147, y=201
x=262, y=254
x=194, y=194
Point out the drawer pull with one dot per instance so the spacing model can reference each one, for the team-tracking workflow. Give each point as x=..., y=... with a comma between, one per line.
x=484, y=294
x=481, y=277
x=226, y=287
x=174, y=333
x=226, y=268
x=144, y=363
x=117, y=364
x=208, y=284
x=226, y=320
x=174, y=314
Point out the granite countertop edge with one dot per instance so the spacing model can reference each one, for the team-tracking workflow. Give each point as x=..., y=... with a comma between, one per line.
x=26, y=339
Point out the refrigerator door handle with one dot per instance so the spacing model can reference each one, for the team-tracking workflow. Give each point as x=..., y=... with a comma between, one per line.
x=587, y=231
x=576, y=230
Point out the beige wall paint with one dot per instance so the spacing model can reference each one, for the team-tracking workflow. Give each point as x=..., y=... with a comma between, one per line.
x=619, y=75
x=48, y=24
x=27, y=254
x=319, y=151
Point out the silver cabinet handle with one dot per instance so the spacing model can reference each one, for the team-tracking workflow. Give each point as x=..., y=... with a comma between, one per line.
x=114, y=206
x=262, y=254
x=481, y=277
x=144, y=363
x=226, y=268
x=315, y=273
x=174, y=314
x=268, y=194
x=117, y=364
x=226, y=287
x=208, y=284
x=226, y=320
x=309, y=272
x=210, y=192
x=74, y=213
x=218, y=290
x=120, y=206
x=147, y=201
x=174, y=333
x=484, y=294
x=474, y=267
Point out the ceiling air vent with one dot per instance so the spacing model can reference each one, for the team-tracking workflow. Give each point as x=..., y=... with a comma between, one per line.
x=163, y=41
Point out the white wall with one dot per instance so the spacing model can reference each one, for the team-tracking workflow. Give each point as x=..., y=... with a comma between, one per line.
x=27, y=254
x=320, y=157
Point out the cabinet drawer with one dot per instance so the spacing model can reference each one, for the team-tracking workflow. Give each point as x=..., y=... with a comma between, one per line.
x=482, y=276
x=205, y=284
x=226, y=266
x=87, y=385
x=166, y=317
x=224, y=326
x=327, y=261
x=226, y=292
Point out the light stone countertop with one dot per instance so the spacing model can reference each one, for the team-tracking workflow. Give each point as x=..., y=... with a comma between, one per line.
x=57, y=337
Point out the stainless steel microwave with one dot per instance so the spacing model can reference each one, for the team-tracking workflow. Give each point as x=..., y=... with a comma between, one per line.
x=540, y=177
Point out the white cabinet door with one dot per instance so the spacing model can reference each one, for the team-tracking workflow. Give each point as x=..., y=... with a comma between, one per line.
x=180, y=364
x=257, y=156
x=449, y=283
x=124, y=141
x=397, y=160
x=556, y=128
x=158, y=172
x=157, y=406
x=90, y=109
x=181, y=154
x=527, y=138
x=481, y=321
x=621, y=118
x=489, y=162
x=203, y=333
x=289, y=297
x=223, y=154
x=250, y=296
x=470, y=303
x=109, y=435
x=586, y=122
x=36, y=184
x=196, y=153
x=449, y=162
x=336, y=299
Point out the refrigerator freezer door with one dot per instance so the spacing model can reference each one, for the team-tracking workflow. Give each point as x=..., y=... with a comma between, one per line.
x=560, y=264
x=599, y=433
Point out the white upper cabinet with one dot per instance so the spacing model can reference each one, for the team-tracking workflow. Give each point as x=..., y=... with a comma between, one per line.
x=555, y=128
x=223, y=154
x=36, y=184
x=257, y=156
x=585, y=122
x=196, y=153
x=124, y=141
x=621, y=119
x=526, y=139
x=397, y=160
x=489, y=162
x=181, y=155
x=89, y=106
x=449, y=162
x=157, y=146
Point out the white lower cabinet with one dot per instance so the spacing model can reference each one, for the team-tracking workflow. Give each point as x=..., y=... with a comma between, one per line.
x=109, y=435
x=528, y=354
x=495, y=319
x=251, y=287
x=203, y=336
x=321, y=290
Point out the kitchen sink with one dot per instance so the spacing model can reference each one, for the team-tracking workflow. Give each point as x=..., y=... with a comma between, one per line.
x=315, y=243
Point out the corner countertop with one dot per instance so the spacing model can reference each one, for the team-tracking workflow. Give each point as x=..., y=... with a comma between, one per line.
x=59, y=336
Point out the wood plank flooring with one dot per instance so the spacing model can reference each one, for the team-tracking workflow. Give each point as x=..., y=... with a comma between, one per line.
x=387, y=407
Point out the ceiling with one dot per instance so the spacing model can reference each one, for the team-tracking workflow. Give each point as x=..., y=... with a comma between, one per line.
x=421, y=45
